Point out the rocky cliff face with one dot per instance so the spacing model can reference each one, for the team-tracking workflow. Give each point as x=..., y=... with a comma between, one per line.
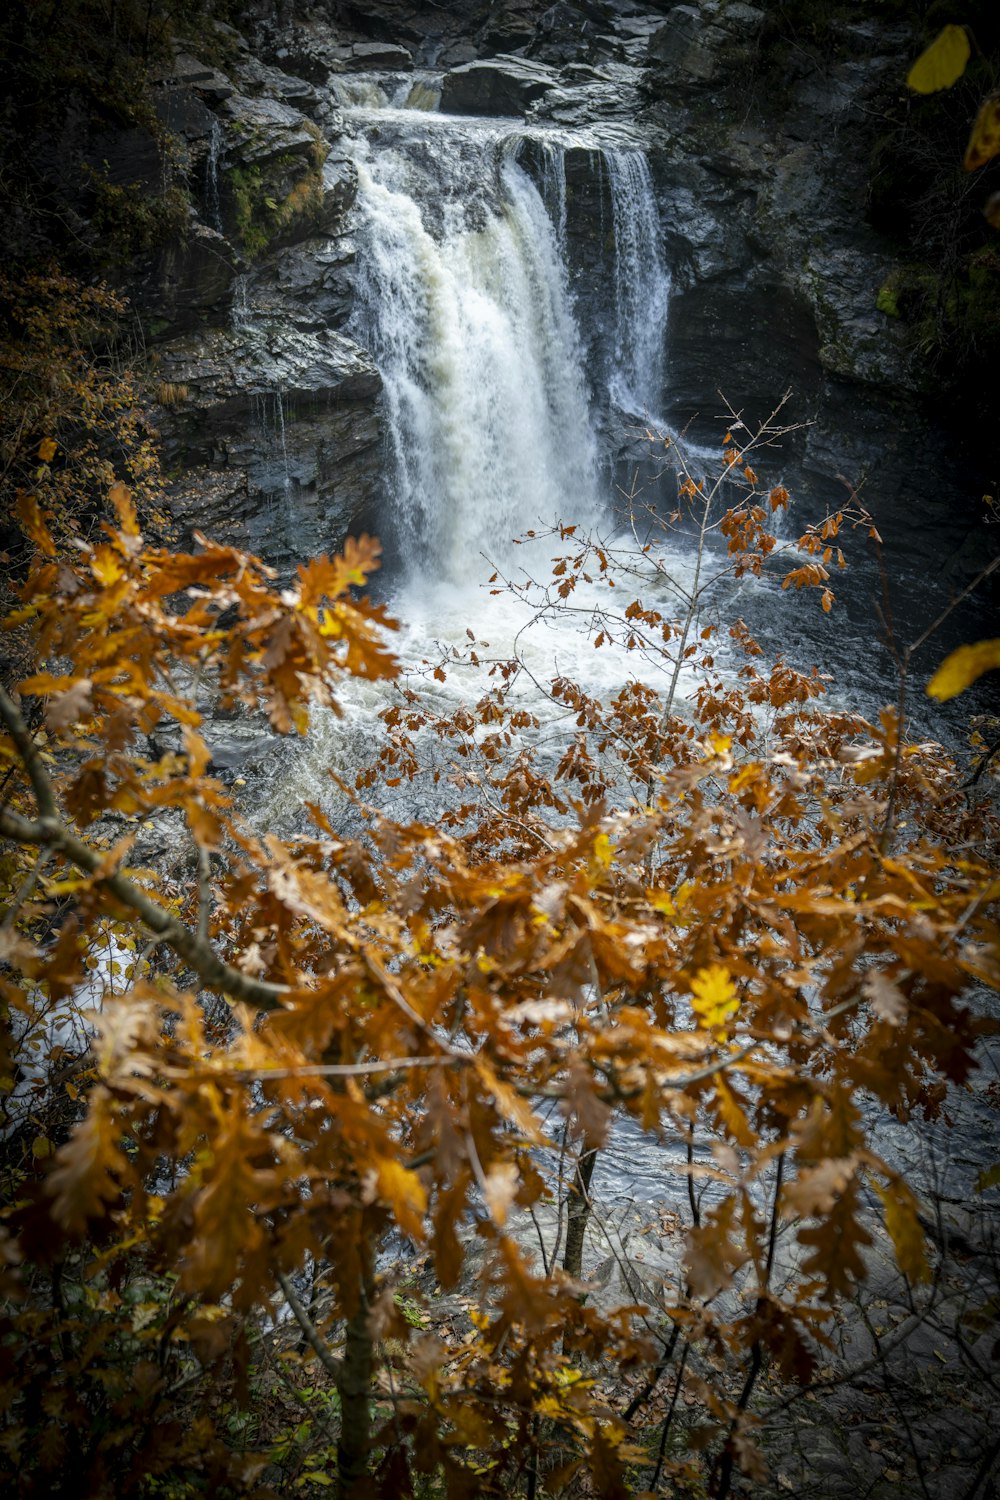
x=268, y=413
x=760, y=148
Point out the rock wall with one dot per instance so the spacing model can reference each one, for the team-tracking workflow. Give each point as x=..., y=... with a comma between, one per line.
x=267, y=412
x=763, y=159
x=270, y=414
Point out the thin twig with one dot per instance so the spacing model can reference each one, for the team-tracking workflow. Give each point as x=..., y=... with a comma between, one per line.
x=332, y=1366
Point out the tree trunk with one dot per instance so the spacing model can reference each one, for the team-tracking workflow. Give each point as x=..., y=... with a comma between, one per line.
x=354, y=1386
x=578, y=1205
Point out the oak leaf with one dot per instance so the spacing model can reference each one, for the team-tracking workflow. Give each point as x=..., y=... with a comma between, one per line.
x=90, y=1169
x=886, y=998
x=984, y=142
x=714, y=998
x=500, y=1189
x=68, y=707
x=404, y=1193
x=902, y=1224
x=817, y=1189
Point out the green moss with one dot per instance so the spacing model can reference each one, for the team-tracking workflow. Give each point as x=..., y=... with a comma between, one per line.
x=887, y=300
x=269, y=202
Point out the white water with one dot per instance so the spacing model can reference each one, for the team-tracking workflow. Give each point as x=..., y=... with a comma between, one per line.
x=642, y=285
x=491, y=409
x=465, y=304
x=216, y=142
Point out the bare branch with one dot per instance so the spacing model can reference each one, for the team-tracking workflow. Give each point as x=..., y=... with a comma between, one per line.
x=30, y=758
x=200, y=956
x=333, y=1367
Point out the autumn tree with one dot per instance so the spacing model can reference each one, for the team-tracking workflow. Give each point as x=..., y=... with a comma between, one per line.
x=316, y=1051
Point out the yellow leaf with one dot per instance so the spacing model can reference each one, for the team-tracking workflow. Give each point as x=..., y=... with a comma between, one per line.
x=603, y=851
x=713, y=997
x=105, y=566
x=405, y=1194
x=942, y=63
x=984, y=142
x=511, y=1105
x=988, y=1178
x=959, y=670
x=46, y=450
x=121, y=498
x=903, y=1228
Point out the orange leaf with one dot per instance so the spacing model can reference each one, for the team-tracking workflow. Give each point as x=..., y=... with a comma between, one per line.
x=984, y=142
x=89, y=1169
x=121, y=498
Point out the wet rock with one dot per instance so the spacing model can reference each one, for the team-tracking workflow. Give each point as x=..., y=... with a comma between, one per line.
x=188, y=72
x=184, y=113
x=509, y=26
x=608, y=92
x=262, y=130
x=340, y=188
x=365, y=56
x=125, y=158
x=225, y=371
x=189, y=283
x=257, y=78
x=561, y=34
x=280, y=427
x=502, y=86
x=313, y=282
x=272, y=189
x=699, y=45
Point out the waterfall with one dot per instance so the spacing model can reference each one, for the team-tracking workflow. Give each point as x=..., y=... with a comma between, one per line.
x=216, y=141
x=554, y=192
x=240, y=313
x=642, y=285
x=491, y=408
x=465, y=305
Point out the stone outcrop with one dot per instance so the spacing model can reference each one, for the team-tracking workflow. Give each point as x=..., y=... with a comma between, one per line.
x=268, y=415
x=761, y=159
x=280, y=427
x=759, y=156
x=189, y=282
x=502, y=86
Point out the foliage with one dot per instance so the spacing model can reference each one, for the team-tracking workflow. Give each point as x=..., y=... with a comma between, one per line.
x=948, y=289
x=72, y=421
x=942, y=63
x=77, y=87
x=962, y=668
x=128, y=220
x=698, y=916
x=269, y=200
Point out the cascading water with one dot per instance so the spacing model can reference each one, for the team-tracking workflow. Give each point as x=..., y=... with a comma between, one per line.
x=216, y=142
x=464, y=302
x=554, y=191
x=642, y=285
x=493, y=401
